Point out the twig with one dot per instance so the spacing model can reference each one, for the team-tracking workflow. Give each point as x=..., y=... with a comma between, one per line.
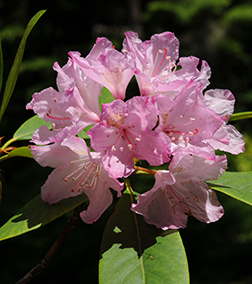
x=44, y=262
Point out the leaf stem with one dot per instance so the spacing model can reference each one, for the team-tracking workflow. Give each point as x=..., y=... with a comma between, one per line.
x=8, y=143
x=75, y=219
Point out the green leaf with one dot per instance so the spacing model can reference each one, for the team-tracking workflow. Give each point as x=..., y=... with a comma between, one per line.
x=240, y=115
x=25, y=131
x=1, y=66
x=13, y=75
x=18, y=152
x=134, y=252
x=105, y=97
x=37, y=213
x=235, y=184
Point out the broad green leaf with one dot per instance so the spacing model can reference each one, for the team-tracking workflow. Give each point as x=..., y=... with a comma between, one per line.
x=25, y=131
x=18, y=152
x=13, y=75
x=235, y=184
x=37, y=213
x=134, y=252
x=105, y=97
x=240, y=115
x=1, y=66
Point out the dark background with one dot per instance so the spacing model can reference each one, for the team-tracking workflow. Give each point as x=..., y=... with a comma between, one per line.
x=218, y=31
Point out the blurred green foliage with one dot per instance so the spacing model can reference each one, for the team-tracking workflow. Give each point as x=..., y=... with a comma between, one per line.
x=218, y=31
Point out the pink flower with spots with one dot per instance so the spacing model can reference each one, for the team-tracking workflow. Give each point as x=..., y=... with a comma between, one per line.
x=77, y=170
x=71, y=109
x=186, y=123
x=181, y=192
x=107, y=66
x=155, y=64
x=125, y=131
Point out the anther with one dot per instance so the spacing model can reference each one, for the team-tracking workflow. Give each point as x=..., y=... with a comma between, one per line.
x=130, y=146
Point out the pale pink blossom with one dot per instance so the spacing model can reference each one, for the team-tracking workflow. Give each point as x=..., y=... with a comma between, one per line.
x=107, y=66
x=71, y=109
x=186, y=123
x=182, y=192
x=227, y=138
x=125, y=131
x=155, y=64
x=77, y=170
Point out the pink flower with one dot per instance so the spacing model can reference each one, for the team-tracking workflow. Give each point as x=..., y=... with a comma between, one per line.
x=181, y=192
x=226, y=138
x=77, y=171
x=186, y=123
x=155, y=64
x=125, y=131
x=71, y=109
x=107, y=66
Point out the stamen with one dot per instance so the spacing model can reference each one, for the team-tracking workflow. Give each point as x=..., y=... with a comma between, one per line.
x=156, y=59
x=86, y=171
x=178, y=199
x=184, y=188
x=49, y=114
x=187, y=123
x=130, y=146
x=92, y=185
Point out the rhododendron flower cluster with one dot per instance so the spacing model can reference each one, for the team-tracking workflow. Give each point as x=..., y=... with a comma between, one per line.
x=173, y=121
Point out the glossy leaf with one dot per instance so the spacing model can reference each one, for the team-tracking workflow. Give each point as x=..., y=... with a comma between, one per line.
x=37, y=213
x=18, y=152
x=240, y=115
x=13, y=75
x=235, y=184
x=134, y=252
x=25, y=131
x=105, y=97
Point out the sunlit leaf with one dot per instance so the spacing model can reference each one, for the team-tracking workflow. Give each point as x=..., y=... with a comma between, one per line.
x=13, y=75
x=134, y=252
x=235, y=184
x=25, y=131
x=105, y=97
x=37, y=213
x=240, y=115
x=18, y=152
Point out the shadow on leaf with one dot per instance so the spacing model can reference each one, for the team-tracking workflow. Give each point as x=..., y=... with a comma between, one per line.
x=129, y=229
